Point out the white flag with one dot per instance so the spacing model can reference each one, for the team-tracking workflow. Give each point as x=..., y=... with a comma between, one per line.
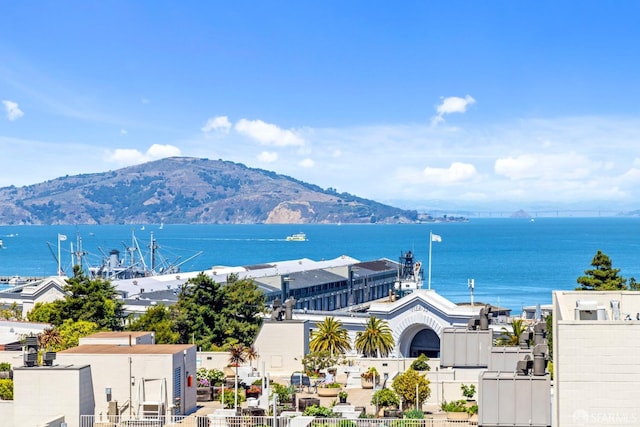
x=62, y=237
x=436, y=238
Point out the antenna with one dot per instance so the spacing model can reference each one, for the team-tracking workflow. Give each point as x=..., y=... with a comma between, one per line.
x=471, y=285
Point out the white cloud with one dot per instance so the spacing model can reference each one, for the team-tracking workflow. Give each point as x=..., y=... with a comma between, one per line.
x=452, y=104
x=267, y=133
x=13, y=111
x=307, y=163
x=132, y=156
x=220, y=123
x=268, y=157
x=456, y=173
x=568, y=165
x=123, y=132
x=145, y=101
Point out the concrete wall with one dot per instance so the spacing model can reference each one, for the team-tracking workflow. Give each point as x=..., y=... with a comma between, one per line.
x=138, y=377
x=596, y=371
x=282, y=345
x=46, y=394
x=6, y=413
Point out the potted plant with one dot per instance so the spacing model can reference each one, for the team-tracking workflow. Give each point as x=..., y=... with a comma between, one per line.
x=384, y=400
x=369, y=378
x=254, y=391
x=468, y=391
x=342, y=396
x=329, y=390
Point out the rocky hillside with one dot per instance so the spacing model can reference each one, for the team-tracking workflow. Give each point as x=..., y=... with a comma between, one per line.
x=187, y=190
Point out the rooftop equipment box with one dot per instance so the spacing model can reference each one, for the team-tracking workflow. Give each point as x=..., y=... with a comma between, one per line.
x=464, y=348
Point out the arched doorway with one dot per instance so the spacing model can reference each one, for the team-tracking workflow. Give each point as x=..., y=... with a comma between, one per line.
x=425, y=342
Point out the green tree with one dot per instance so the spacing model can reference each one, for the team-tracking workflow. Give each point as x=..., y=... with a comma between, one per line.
x=317, y=360
x=405, y=385
x=46, y=312
x=157, y=318
x=243, y=305
x=71, y=332
x=385, y=398
x=376, y=340
x=603, y=277
x=330, y=336
x=511, y=337
x=217, y=316
x=86, y=299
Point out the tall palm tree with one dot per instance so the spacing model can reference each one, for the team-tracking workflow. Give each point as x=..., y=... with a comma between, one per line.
x=376, y=340
x=512, y=337
x=251, y=354
x=237, y=356
x=330, y=336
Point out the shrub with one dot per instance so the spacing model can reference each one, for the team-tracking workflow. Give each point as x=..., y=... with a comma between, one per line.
x=5, y=366
x=414, y=414
x=346, y=423
x=6, y=389
x=319, y=411
x=454, y=406
x=420, y=364
x=385, y=398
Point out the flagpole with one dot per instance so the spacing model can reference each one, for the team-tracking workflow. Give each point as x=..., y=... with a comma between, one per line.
x=59, y=273
x=429, y=275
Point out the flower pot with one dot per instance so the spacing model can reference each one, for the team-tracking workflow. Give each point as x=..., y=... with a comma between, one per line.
x=366, y=383
x=329, y=391
x=203, y=394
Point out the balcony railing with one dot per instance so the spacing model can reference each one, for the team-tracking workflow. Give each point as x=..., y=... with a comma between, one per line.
x=251, y=421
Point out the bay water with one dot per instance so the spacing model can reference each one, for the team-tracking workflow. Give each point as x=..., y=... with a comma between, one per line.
x=513, y=262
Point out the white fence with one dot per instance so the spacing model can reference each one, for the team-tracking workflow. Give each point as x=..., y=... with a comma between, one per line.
x=251, y=421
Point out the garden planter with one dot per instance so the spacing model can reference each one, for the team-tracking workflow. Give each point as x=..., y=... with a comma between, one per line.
x=457, y=416
x=329, y=391
x=203, y=394
x=367, y=383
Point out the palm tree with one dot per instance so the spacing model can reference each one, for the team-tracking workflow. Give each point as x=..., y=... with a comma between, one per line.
x=376, y=340
x=330, y=336
x=251, y=354
x=512, y=337
x=49, y=338
x=237, y=356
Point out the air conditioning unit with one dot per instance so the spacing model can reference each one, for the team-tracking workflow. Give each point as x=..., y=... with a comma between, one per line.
x=48, y=358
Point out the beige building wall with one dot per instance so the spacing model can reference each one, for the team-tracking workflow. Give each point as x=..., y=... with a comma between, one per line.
x=282, y=345
x=596, y=369
x=52, y=394
x=119, y=338
x=136, y=373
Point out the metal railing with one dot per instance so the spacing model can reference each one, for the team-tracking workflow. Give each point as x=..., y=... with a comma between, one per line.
x=252, y=421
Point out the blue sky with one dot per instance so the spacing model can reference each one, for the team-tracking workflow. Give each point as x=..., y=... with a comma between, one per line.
x=420, y=104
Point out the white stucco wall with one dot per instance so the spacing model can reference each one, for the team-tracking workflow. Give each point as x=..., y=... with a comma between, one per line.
x=44, y=394
x=596, y=369
x=115, y=370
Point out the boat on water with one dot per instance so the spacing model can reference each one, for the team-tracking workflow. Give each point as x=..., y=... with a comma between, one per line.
x=298, y=237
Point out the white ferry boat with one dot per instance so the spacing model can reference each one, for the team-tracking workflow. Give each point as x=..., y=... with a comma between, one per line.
x=298, y=237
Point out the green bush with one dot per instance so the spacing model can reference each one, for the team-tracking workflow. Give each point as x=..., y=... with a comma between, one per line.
x=6, y=389
x=385, y=398
x=420, y=364
x=454, y=406
x=414, y=414
x=319, y=411
x=346, y=423
x=5, y=366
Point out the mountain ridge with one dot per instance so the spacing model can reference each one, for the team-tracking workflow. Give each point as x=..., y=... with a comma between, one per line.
x=188, y=190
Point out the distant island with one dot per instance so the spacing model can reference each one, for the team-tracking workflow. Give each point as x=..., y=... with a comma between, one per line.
x=185, y=190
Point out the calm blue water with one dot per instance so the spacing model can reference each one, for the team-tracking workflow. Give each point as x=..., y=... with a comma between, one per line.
x=514, y=262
